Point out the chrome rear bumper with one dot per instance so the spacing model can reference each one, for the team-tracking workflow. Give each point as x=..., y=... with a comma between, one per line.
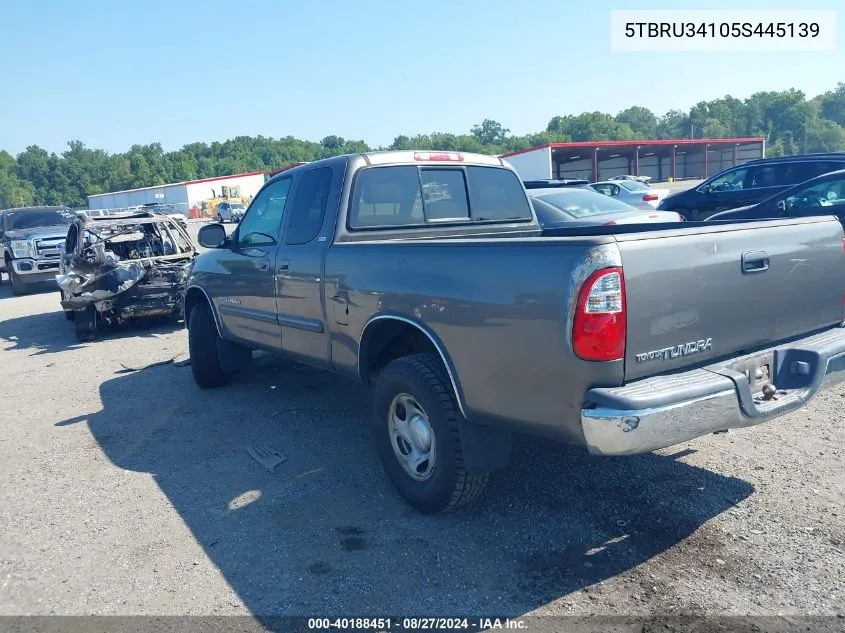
x=667, y=410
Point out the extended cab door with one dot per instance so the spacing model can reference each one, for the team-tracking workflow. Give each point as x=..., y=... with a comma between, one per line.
x=299, y=267
x=245, y=290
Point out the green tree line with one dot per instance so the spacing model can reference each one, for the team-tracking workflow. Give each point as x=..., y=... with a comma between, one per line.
x=790, y=122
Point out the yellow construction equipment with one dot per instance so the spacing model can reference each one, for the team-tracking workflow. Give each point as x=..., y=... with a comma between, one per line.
x=227, y=194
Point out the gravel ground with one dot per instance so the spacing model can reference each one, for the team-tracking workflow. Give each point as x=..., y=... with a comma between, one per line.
x=130, y=491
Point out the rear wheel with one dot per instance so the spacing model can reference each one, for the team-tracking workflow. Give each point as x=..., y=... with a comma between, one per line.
x=417, y=435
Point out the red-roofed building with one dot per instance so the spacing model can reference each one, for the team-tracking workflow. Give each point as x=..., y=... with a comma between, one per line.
x=676, y=159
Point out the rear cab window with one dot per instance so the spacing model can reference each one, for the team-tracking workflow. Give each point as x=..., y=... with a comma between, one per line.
x=405, y=196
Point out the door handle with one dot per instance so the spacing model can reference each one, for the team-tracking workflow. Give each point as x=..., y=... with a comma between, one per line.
x=264, y=264
x=283, y=265
x=755, y=261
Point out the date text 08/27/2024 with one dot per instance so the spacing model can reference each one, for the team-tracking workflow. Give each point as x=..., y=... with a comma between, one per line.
x=415, y=624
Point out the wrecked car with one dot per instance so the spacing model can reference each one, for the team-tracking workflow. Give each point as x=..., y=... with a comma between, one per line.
x=119, y=268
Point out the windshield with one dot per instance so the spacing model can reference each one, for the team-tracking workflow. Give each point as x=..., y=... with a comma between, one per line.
x=580, y=203
x=33, y=219
x=633, y=185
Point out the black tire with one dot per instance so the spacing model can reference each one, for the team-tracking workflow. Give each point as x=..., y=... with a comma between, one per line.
x=220, y=219
x=18, y=287
x=85, y=324
x=203, y=350
x=449, y=486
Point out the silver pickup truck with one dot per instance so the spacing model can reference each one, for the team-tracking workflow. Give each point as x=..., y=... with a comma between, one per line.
x=427, y=275
x=31, y=242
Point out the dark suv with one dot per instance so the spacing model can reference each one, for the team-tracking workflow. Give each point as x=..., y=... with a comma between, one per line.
x=750, y=183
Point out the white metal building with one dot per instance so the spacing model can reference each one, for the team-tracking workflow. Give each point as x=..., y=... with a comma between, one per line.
x=184, y=196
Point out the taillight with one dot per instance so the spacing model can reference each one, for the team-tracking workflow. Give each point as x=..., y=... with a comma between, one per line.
x=600, y=323
x=611, y=223
x=454, y=156
x=650, y=197
x=681, y=218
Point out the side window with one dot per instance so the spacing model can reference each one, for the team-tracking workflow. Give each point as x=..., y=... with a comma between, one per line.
x=444, y=195
x=309, y=206
x=764, y=176
x=823, y=197
x=181, y=245
x=604, y=189
x=260, y=226
x=796, y=172
x=824, y=168
x=386, y=196
x=733, y=180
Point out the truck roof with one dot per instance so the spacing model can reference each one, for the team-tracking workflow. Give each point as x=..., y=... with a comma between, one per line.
x=411, y=157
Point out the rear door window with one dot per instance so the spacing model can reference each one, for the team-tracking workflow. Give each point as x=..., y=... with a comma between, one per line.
x=794, y=173
x=408, y=196
x=764, y=176
x=309, y=206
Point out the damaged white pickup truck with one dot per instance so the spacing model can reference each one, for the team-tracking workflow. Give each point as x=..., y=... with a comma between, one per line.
x=119, y=268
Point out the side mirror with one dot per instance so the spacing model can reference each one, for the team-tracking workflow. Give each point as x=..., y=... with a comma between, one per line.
x=212, y=236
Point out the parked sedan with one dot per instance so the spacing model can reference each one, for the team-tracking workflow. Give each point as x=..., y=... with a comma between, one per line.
x=631, y=192
x=630, y=177
x=823, y=195
x=566, y=207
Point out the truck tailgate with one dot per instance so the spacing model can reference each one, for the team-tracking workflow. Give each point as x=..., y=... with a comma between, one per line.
x=699, y=294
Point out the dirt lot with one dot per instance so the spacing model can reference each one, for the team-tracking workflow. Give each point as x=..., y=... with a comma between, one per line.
x=130, y=491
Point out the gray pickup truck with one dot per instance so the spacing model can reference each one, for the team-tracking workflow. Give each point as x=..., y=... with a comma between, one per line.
x=426, y=275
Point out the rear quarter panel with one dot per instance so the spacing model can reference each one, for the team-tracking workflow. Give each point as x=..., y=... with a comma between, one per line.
x=501, y=309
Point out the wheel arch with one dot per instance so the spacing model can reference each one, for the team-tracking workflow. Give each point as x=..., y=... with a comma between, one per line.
x=382, y=339
x=193, y=296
